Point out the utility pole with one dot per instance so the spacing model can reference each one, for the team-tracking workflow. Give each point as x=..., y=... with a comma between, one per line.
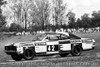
x=25, y=21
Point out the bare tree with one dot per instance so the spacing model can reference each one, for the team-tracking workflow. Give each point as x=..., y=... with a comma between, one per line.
x=59, y=11
x=18, y=10
x=36, y=11
x=40, y=12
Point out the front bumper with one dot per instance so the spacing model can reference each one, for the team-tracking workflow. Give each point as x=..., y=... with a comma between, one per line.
x=10, y=52
x=13, y=49
x=10, y=49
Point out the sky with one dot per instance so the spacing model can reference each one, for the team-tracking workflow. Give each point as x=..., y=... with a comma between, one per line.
x=80, y=7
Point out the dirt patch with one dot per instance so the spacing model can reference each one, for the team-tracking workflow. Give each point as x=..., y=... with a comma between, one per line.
x=81, y=61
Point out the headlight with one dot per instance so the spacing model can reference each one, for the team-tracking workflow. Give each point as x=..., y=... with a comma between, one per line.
x=20, y=49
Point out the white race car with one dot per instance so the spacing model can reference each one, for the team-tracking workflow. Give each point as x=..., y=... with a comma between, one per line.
x=61, y=43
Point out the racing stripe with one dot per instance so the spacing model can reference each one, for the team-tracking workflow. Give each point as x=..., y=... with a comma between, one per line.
x=52, y=43
x=76, y=41
x=64, y=42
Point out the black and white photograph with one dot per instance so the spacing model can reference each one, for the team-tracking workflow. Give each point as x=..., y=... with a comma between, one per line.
x=49, y=33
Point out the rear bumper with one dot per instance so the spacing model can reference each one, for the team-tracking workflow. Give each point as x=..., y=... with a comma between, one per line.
x=93, y=48
x=89, y=49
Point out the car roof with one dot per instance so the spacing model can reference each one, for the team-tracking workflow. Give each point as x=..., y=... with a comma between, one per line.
x=66, y=33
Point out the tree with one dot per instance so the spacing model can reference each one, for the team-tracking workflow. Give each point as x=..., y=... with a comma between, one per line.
x=2, y=18
x=78, y=23
x=95, y=19
x=34, y=12
x=86, y=21
x=25, y=11
x=40, y=13
x=59, y=12
x=15, y=27
x=72, y=23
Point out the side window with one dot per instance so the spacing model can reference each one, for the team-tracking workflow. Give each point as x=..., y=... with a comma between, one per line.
x=53, y=37
x=74, y=36
x=63, y=37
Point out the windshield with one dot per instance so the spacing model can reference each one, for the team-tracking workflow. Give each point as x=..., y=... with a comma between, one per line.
x=39, y=37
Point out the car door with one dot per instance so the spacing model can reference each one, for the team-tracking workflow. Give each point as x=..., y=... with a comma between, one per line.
x=87, y=44
x=52, y=44
x=40, y=47
x=64, y=42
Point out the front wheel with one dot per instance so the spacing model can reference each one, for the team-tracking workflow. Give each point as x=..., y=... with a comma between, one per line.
x=16, y=57
x=29, y=54
x=76, y=51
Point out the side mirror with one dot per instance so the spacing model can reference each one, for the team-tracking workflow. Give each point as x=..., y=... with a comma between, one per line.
x=47, y=39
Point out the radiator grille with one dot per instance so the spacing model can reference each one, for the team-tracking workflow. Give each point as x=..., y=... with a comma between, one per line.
x=10, y=48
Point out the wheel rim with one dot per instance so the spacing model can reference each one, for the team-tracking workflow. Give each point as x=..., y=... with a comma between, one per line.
x=28, y=54
x=77, y=50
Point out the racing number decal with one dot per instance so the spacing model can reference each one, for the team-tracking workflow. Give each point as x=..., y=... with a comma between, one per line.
x=50, y=48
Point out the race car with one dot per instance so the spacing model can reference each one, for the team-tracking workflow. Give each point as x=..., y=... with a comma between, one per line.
x=62, y=43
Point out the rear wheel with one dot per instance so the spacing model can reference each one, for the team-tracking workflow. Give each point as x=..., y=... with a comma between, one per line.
x=16, y=57
x=29, y=54
x=64, y=55
x=76, y=51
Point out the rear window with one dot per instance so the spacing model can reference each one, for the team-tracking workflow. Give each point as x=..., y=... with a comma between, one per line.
x=72, y=36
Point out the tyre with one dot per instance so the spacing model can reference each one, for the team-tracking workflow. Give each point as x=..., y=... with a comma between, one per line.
x=28, y=54
x=16, y=57
x=76, y=51
x=64, y=55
